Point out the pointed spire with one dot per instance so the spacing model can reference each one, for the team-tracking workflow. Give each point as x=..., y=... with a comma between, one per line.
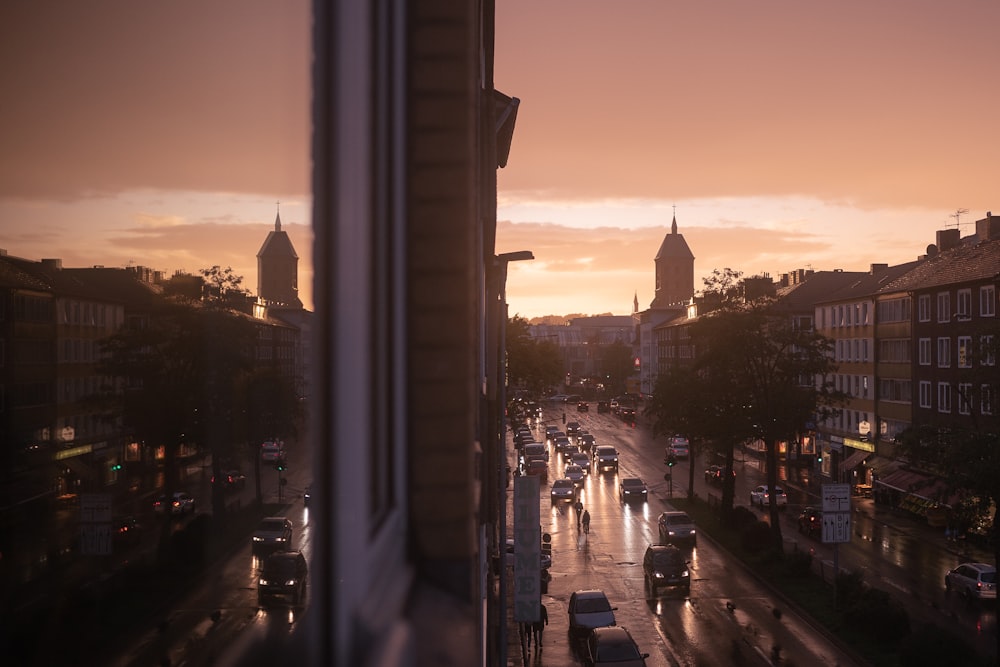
x=635, y=302
x=277, y=217
x=673, y=225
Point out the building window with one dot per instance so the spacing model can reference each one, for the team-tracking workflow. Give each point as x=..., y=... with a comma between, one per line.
x=987, y=301
x=986, y=400
x=944, y=307
x=944, y=397
x=894, y=310
x=925, y=352
x=924, y=307
x=864, y=386
x=895, y=390
x=988, y=354
x=925, y=394
x=963, y=307
x=964, y=398
x=943, y=352
x=965, y=351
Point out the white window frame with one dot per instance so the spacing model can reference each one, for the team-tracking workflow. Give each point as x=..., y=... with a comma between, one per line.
x=924, y=351
x=944, y=307
x=944, y=352
x=988, y=301
x=925, y=394
x=944, y=397
x=965, y=352
x=924, y=308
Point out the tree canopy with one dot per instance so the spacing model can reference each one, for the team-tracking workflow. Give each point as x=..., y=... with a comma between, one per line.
x=533, y=364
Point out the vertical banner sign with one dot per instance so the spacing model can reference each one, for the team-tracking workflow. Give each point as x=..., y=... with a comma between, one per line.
x=527, y=549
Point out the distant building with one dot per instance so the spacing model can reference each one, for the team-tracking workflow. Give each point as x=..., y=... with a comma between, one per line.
x=278, y=269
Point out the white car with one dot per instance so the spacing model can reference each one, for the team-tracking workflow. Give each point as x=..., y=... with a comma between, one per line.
x=760, y=496
x=974, y=580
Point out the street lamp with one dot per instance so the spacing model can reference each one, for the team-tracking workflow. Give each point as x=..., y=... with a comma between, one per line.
x=500, y=263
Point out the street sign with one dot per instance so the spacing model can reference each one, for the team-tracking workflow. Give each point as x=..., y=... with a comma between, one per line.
x=95, y=507
x=836, y=498
x=836, y=527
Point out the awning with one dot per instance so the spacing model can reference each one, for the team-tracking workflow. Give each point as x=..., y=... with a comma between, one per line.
x=853, y=460
x=883, y=466
x=907, y=481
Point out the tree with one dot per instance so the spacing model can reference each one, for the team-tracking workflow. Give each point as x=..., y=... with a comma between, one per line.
x=616, y=364
x=754, y=376
x=532, y=364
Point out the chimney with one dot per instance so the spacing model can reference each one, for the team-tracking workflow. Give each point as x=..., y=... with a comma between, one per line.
x=948, y=238
x=988, y=228
x=877, y=269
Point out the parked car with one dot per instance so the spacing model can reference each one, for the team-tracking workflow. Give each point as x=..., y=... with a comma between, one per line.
x=811, y=521
x=583, y=406
x=283, y=576
x=605, y=458
x=676, y=527
x=613, y=647
x=715, y=473
x=272, y=533
x=761, y=495
x=544, y=560
x=589, y=609
x=177, y=504
x=632, y=488
x=563, y=489
x=539, y=468
x=664, y=566
x=232, y=480
x=974, y=580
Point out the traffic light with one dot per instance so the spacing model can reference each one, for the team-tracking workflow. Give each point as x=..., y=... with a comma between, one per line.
x=279, y=465
x=671, y=460
x=819, y=458
x=116, y=467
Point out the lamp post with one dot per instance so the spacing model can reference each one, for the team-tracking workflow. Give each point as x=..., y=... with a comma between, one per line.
x=500, y=263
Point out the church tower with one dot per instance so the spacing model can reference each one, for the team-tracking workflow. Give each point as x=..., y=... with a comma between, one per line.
x=674, y=270
x=278, y=269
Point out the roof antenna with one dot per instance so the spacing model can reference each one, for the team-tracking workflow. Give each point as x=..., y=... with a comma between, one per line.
x=958, y=215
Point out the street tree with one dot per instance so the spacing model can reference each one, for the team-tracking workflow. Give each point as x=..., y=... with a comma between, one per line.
x=616, y=365
x=533, y=364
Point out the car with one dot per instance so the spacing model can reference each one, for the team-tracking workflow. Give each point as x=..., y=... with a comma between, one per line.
x=613, y=647
x=563, y=445
x=627, y=414
x=573, y=429
x=544, y=560
x=563, y=489
x=550, y=431
x=632, y=488
x=272, y=451
x=715, y=473
x=539, y=468
x=606, y=458
x=558, y=398
x=974, y=580
x=283, y=576
x=679, y=446
x=586, y=441
x=664, y=566
x=583, y=406
x=232, y=480
x=603, y=406
x=127, y=529
x=178, y=504
x=589, y=609
x=273, y=533
x=760, y=496
x=551, y=439
x=534, y=451
x=581, y=459
x=811, y=521
x=575, y=474
x=676, y=527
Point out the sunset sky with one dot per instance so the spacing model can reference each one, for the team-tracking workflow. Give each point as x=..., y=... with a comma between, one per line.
x=787, y=134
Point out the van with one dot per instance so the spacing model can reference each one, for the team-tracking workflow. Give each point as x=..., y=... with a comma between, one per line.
x=272, y=451
x=533, y=451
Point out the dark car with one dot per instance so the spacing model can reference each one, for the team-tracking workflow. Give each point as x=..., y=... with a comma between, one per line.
x=632, y=488
x=603, y=406
x=627, y=414
x=664, y=566
x=614, y=647
x=587, y=441
x=715, y=473
x=589, y=609
x=283, y=577
x=273, y=533
x=675, y=527
x=583, y=406
x=573, y=429
x=540, y=468
x=232, y=480
x=811, y=522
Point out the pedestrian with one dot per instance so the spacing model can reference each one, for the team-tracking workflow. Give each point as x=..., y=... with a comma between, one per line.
x=524, y=629
x=539, y=626
x=586, y=521
x=578, y=506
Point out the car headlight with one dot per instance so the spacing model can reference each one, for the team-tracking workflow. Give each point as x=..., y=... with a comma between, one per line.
x=658, y=575
x=258, y=539
x=685, y=573
x=262, y=581
x=290, y=582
